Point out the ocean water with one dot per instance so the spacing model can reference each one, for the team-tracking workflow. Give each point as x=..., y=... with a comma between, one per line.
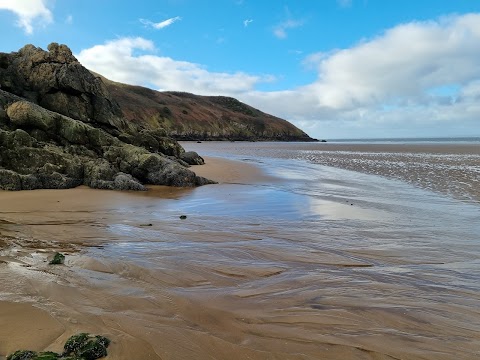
x=448, y=167
x=343, y=255
x=473, y=140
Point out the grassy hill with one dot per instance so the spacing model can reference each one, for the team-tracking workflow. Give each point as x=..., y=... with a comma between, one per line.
x=186, y=116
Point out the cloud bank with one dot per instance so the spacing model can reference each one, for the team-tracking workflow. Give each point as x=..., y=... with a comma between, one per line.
x=415, y=76
x=28, y=12
x=132, y=61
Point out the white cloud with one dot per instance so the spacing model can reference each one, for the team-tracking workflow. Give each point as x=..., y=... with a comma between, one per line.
x=69, y=20
x=247, y=22
x=28, y=11
x=391, y=82
x=403, y=63
x=419, y=77
x=120, y=60
x=280, y=31
x=162, y=24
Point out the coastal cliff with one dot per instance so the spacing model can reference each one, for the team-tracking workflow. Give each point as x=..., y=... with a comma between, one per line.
x=62, y=126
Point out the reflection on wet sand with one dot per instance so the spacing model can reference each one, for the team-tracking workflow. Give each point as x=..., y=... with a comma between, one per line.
x=255, y=271
x=452, y=169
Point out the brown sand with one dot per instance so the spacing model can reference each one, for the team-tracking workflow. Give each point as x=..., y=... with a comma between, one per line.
x=231, y=171
x=23, y=325
x=42, y=305
x=250, y=303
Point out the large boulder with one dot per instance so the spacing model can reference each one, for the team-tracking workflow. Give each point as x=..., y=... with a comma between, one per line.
x=56, y=80
x=192, y=158
x=40, y=148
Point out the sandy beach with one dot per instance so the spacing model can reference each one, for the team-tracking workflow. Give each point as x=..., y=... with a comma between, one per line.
x=42, y=305
x=246, y=276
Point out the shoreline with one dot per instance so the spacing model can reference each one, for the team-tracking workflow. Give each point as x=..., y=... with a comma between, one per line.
x=38, y=310
x=242, y=269
x=227, y=171
x=445, y=168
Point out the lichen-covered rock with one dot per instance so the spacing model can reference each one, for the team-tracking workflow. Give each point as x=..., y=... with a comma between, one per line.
x=58, y=259
x=78, y=347
x=75, y=342
x=32, y=355
x=47, y=355
x=127, y=182
x=192, y=158
x=60, y=128
x=10, y=180
x=56, y=80
x=154, y=141
x=43, y=149
x=22, y=355
x=86, y=346
x=26, y=114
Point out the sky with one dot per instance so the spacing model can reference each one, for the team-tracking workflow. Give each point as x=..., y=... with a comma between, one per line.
x=335, y=68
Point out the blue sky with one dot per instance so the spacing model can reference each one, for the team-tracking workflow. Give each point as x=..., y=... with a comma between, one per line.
x=335, y=68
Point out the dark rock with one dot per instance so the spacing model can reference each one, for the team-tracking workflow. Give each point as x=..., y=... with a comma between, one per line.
x=86, y=346
x=22, y=355
x=10, y=180
x=127, y=182
x=78, y=347
x=47, y=355
x=58, y=259
x=183, y=217
x=155, y=141
x=60, y=128
x=76, y=153
x=56, y=80
x=75, y=342
x=192, y=158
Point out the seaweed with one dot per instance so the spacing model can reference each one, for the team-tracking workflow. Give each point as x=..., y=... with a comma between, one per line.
x=32, y=355
x=22, y=355
x=82, y=346
x=58, y=259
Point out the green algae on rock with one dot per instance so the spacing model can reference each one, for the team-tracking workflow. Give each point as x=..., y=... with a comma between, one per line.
x=87, y=346
x=58, y=259
x=82, y=346
x=32, y=355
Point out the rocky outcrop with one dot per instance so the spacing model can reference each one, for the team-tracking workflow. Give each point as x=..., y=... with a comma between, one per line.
x=55, y=80
x=62, y=126
x=81, y=346
x=43, y=149
x=59, y=128
x=192, y=158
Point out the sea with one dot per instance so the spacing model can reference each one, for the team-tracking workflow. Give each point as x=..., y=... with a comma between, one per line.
x=355, y=249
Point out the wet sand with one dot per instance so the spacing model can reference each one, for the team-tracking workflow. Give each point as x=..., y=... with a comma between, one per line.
x=222, y=286
x=448, y=168
x=42, y=305
x=231, y=171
